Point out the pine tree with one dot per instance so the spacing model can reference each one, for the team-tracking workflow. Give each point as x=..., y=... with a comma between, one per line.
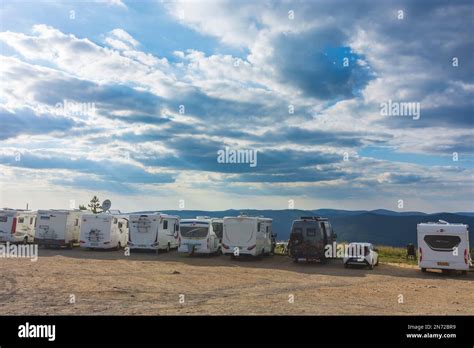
x=95, y=205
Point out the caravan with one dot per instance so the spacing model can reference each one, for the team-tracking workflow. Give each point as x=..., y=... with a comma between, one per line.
x=202, y=235
x=58, y=227
x=153, y=231
x=444, y=246
x=17, y=226
x=104, y=231
x=245, y=235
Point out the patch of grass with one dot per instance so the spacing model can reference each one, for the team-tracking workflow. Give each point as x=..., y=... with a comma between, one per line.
x=393, y=254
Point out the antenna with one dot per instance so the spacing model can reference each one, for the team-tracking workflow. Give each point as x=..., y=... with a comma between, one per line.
x=106, y=205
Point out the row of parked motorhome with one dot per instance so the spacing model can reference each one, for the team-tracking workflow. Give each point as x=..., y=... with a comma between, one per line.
x=242, y=235
x=441, y=245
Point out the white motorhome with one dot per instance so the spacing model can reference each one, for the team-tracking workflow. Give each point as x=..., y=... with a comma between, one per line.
x=245, y=235
x=444, y=246
x=153, y=231
x=17, y=225
x=202, y=235
x=58, y=227
x=104, y=231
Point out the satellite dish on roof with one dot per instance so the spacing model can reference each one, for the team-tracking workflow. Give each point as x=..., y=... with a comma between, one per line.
x=106, y=205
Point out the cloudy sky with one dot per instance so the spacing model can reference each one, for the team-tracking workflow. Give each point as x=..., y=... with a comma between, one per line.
x=133, y=100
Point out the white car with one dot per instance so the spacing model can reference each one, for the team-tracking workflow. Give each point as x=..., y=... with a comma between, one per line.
x=361, y=254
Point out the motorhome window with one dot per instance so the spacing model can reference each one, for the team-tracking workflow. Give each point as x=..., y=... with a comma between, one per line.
x=258, y=227
x=218, y=228
x=442, y=243
x=3, y=218
x=115, y=221
x=31, y=221
x=267, y=229
x=323, y=228
x=311, y=232
x=176, y=226
x=296, y=234
x=328, y=228
x=194, y=232
x=297, y=231
x=21, y=220
x=44, y=218
x=165, y=224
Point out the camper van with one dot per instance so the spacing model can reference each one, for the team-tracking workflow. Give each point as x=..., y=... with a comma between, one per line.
x=104, y=231
x=202, y=235
x=153, y=231
x=444, y=246
x=17, y=226
x=58, y=227
x=308, y=237
x=246, y=235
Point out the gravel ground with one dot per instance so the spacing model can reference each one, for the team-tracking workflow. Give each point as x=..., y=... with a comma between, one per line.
x=109, y=283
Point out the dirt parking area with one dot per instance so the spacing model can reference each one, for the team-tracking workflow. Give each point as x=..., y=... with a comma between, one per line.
x=79, y=282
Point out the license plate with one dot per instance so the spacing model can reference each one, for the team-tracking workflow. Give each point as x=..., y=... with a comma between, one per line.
x=443, y=263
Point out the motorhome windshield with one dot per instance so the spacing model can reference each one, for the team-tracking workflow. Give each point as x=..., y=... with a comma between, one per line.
x=194, y=232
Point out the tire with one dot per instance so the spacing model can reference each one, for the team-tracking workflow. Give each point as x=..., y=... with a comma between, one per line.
x=423, y=270
x=232, y=256
x=25, y=240
x=168, y=248
x=346, y=265
x=371, y=266
x=70, y=245
x=295, y=260
x=377, y=262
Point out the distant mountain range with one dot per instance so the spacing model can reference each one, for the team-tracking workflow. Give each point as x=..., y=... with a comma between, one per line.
x=383, y=227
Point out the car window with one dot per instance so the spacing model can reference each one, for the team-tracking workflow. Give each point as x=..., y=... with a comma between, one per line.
x=165, y=224
x=311, y=232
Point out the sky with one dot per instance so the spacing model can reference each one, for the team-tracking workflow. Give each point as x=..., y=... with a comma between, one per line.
x=133, y=101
